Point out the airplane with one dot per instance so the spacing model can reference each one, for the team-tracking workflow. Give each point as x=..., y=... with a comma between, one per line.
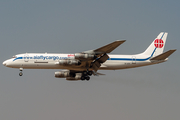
x=80, y=66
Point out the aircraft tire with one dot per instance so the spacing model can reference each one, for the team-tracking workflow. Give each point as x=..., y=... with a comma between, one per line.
x=87, y=78
x=20, y=74
x=82, y=78
x=84, y=73
x=90, y=73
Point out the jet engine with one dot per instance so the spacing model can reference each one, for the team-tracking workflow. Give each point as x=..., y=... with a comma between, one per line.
x=84, y=56
x=69, y=62
x=77, y=77
x=71, y=76
x=64, y=74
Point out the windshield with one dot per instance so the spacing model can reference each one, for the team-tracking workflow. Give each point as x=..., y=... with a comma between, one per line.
x=14, y=56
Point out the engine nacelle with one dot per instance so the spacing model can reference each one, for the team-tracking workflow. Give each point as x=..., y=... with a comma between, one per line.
x=69, y=62
x=84, y=56
x=77, y=77
x=64, y=74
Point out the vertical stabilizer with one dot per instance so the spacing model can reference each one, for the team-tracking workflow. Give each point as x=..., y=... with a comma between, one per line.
x=157, y=46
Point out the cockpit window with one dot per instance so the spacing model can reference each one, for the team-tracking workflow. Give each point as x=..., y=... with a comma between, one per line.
x=14, y=57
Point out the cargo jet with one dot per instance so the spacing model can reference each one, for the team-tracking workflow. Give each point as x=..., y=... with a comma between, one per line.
x=80, y=66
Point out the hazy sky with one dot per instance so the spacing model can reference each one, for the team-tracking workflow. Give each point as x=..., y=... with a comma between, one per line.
x=56, y=26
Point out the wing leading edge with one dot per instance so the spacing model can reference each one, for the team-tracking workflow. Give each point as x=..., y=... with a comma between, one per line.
x=107, y=48
x=110, y=47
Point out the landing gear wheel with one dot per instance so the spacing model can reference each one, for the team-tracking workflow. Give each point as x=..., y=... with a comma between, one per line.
x=82, y=78
x=84, y=73
x=20, y=74
x=89, y=73
x=87, y=78
x=21, y=69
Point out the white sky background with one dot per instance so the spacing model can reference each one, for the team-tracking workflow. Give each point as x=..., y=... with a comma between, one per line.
x=147, y=93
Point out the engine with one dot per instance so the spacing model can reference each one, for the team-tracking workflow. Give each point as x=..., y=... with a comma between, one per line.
x=84, y=56
x=69, y=62
x=77, y=77
x=68, y=75
x=64, y=74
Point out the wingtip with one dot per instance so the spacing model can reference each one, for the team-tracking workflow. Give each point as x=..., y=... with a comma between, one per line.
x=173, y=50
x=120, y=40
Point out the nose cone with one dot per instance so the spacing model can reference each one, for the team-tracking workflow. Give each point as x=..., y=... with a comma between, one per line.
x=4, y=63
x=8, y=63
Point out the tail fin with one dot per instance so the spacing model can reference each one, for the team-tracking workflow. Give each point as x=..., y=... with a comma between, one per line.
x=157, y=46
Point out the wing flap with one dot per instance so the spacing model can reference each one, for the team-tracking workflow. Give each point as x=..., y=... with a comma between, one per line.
x=97, y=63
x=163, y=56
x=103, y=58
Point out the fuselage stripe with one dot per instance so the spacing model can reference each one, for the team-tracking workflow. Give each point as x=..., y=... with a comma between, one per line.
x=123, y=59
x=130, y=59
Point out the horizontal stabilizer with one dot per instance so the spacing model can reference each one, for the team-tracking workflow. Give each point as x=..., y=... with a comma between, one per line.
x=163, y=56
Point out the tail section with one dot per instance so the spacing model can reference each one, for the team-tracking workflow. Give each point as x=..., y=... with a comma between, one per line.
x=157, y=46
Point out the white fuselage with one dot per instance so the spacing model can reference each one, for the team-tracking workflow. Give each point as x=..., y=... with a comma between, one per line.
x=49, y=61
x=80, y=66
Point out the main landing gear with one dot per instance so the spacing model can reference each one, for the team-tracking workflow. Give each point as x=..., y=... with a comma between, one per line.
x=21, y=69
x=85, y=75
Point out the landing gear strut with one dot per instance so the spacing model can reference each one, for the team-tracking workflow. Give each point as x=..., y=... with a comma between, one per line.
x=21, y=69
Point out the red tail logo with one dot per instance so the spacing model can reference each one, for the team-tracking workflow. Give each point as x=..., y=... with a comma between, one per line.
x=158, y=43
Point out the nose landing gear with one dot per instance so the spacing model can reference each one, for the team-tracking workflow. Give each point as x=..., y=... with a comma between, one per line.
x=21, y=69
x=20, y=74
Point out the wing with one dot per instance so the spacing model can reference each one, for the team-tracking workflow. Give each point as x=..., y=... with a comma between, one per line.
x=91, y=59
x=110, y=47
x=94, y=58
x=106, y=49
x=84, y=64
